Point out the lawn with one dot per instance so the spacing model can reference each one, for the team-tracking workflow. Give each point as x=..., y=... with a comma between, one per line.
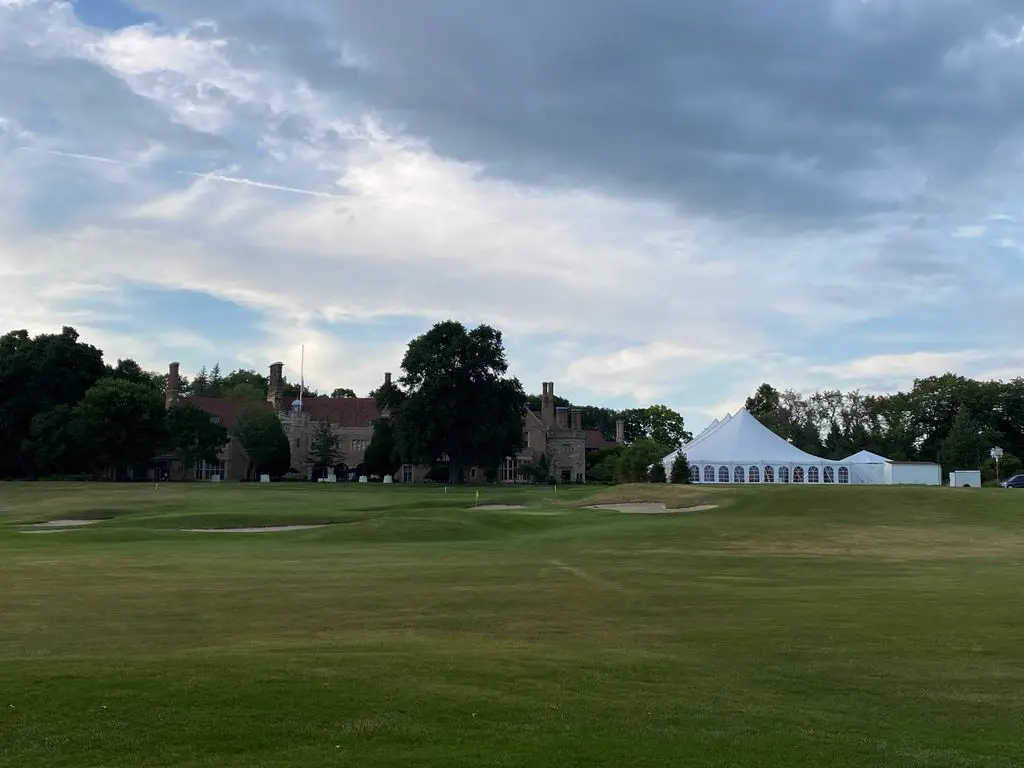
x=787, y=627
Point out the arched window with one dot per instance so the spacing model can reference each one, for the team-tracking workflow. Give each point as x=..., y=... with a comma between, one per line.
x=694, y=474
x=783, y=474
x=798, y=474
x=754, y=474
x=769, y=474
x=723, y=474
x=709, y=474
x=737, y=475
x=844, y=476
x=812, y=475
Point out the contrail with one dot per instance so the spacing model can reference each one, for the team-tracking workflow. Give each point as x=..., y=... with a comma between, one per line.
x=192, y=174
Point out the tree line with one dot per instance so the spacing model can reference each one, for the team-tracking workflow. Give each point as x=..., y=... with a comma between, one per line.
x=64, y=411
x=949, y=419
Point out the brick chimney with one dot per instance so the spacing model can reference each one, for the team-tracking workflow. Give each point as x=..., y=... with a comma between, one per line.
x=173, y=387
x=577, y=418
x=387, y=377
x=275, y=388
x=547, y=404
x=620, y=431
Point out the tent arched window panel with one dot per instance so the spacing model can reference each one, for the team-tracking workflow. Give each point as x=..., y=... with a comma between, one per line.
x=709, y=474
x=769, y=474
x=812, y=475
x=783, y=474
x=844, y=476
x=738, y=475
x=828, y=475
x=723, y=474
x=754, y=474
x=694, y=474
x=798, y=474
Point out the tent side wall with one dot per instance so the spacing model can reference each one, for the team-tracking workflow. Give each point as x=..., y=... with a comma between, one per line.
x=868, y=474
x=914, y=474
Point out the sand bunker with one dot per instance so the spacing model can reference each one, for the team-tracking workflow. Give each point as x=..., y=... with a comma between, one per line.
x=652, y=508
x=264, y=529
x=499, y=506
x=50, y=530
x=64, y=523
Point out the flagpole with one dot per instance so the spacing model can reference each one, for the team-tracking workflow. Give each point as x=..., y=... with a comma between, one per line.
x=302, y=374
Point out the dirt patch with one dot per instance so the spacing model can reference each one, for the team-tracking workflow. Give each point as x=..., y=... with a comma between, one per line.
x=652, y=508
x=499, y=506
x=670, y=496
x=64, y=523
x=263, y=529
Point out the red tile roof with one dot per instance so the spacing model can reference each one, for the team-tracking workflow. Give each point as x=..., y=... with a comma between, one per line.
x=351, y=412
x=597, y=440
x=226, y=410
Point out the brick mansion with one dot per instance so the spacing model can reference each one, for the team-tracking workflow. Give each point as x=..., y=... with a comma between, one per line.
x=554, y=432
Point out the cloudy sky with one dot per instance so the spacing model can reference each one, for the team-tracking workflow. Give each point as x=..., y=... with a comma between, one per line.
x=656, y=201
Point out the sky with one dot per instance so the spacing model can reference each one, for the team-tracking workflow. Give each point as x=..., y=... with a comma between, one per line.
x=655, y=201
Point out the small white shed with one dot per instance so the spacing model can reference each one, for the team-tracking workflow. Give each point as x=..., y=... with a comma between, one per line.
x=965, y=478
x=912, y=473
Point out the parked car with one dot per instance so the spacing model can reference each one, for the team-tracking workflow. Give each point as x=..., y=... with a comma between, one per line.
x=1017, y=481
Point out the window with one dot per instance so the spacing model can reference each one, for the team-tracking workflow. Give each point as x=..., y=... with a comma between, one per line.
x=830, y=475
x=812, y=475
x=526, y=439
x=844, y=475
x=360, y=444
x=215, y=419
x=694, y=474
x=296, y=442
x=737, y=475
x=769, y=474
x=472, y=473
x=206, y=470
x=709, y=474
x=407, y=473
x=783, y=474
x=798, y=474
x=723, y=474
x=754, y=474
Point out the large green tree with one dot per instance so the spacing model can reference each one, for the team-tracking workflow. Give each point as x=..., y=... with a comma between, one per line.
x=52, y=444
x=964, y=446
x=120, y=424
x=193, y=435
x=264, y=441
x=36, y=375
x=324, y=449
x=635, y=462
x=658, y=423
x=382, y=456
x=459, y=401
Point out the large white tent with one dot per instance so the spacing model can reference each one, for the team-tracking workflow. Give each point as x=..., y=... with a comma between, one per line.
x=740, y=449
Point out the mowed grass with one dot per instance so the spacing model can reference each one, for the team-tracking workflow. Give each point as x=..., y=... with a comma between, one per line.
x=787, y=627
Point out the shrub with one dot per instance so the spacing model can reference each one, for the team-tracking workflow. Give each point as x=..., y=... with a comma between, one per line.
x=681, y=470
x=657, y=473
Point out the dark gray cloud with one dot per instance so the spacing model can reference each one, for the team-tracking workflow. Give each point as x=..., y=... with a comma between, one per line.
x=81, y=99
x=735, y=107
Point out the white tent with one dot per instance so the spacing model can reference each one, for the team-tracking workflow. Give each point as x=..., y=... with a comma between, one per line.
x=867, y=468
x=740, y=449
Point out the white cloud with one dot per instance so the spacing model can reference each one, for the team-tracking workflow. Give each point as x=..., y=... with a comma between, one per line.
x=311, y=209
